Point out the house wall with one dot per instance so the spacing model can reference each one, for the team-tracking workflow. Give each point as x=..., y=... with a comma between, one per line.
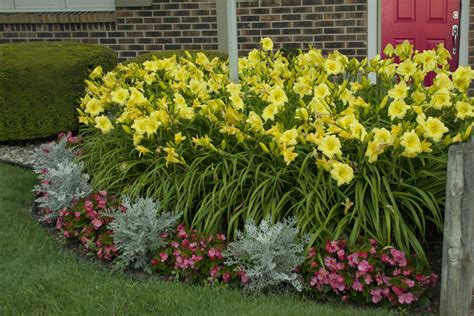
x=191, y=24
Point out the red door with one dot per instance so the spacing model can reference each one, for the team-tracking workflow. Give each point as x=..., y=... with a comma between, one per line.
x=425, y=23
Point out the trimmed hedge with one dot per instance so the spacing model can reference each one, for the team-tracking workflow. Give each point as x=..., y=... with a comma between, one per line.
x=168, y=53
x=41, y=83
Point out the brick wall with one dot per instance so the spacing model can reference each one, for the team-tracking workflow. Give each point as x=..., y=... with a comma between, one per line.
x=191, y=24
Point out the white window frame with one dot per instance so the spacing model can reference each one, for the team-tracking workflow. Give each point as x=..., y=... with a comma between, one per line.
x=61, y=6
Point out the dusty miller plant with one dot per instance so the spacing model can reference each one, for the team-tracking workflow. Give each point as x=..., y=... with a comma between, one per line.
x=137, y=231
x=267, y=253
x=51, y=154
x=61, y=186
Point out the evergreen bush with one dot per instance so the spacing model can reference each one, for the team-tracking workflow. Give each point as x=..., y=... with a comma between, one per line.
x=41, y=83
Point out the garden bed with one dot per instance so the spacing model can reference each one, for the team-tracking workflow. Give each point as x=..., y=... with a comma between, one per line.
x=303, y=176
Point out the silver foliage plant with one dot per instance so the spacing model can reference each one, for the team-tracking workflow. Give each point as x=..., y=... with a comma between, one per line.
x=137, y=231
x=51, y=154
x=62, y=177
x=267, y=253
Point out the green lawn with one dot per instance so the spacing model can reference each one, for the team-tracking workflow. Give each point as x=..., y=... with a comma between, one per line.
x=37, y=276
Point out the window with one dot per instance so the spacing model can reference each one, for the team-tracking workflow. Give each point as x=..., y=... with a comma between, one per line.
x=56, y=5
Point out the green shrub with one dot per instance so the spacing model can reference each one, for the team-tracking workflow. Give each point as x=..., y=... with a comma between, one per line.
x=168, y=53
x=41, y=83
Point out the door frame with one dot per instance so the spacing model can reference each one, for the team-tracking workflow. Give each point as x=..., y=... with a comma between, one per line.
x=374, y=30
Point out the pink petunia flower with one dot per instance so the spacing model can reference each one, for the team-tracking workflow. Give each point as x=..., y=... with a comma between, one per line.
x=337, y=282
x=376, y=295
x=406, y=298
x=330, y=263
x=214, y=270
x=368, y=279
x=373, y=242
x=244, y=279
x=386, y=259
x=364, y=266
x=182, y=234
x=409, y=283
x=357, y=286
x=214, y=253
x=399, y=257
x=88, y=205
x=397, y=290
x=97, y=223
x=196, y=258
x=226, y=277
x=353, y=259
x=332, y=246
x=193, y=246
x=163, y=256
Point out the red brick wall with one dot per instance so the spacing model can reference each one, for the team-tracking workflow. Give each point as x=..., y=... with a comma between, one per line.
x=191, y=24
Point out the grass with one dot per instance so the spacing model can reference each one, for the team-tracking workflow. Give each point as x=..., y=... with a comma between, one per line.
x=38, y=276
